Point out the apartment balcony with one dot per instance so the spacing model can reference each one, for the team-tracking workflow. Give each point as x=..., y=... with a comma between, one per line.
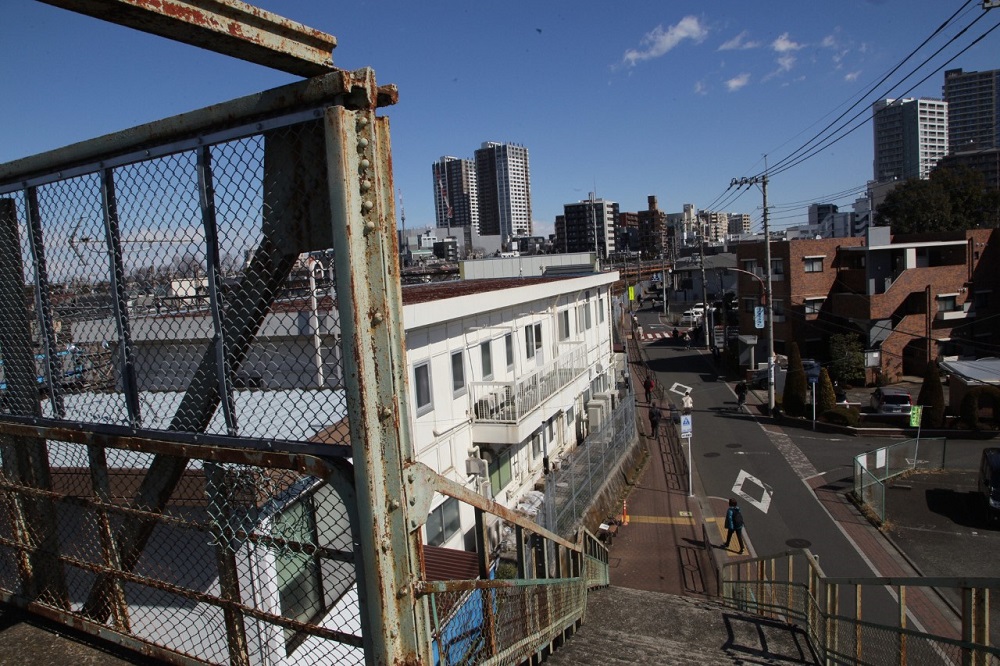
x=512, y=403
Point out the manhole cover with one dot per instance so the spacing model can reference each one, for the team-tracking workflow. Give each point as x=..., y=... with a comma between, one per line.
x=712, y=454
x=734, y=445
x=798, y=543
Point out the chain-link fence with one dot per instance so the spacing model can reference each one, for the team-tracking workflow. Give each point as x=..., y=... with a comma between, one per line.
x=572, y=488
x=252, y=558
x=199, y=316
x=874, y=468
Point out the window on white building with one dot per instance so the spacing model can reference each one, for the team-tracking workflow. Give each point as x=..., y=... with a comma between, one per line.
x=300, y=581
x=583, y=317
x=500, y=471
x=422, y=384
x=486, y=354
x=564, y=325
x=600, y=310
x=532, y=339
x=458, y=371
x=508, y=345
x=443, y=522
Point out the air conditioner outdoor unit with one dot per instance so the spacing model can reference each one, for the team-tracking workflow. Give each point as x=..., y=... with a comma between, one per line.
x=596, y=414
x=476, y=466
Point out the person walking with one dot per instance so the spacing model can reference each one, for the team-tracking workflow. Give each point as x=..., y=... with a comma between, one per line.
x=741, y=395
x=734, y=524
x=687, y=402
x=654, y=420
x=687, y=340
x=648, y=386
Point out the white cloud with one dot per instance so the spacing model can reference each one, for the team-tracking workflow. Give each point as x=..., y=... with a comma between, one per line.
x=737, y=43
x=786, y=62
x=829, y=42
x=783, y=44
x=737, y=82
x=700, y=88
x=850, y=77
x=659, y=41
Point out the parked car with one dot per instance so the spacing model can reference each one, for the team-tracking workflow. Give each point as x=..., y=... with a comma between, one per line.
x=759, y=379
x=890, y=401
x=691, y=318
x=989, y=483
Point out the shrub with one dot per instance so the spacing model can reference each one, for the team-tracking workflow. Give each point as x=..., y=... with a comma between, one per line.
x=842, y=416
x=794, y=398
x=826, y=399
x=506, y=570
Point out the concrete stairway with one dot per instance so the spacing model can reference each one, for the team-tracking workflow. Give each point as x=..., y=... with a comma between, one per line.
x=626, y=626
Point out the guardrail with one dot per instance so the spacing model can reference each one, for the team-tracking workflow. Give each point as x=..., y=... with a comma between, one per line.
x=792, y=587
x=873, y=468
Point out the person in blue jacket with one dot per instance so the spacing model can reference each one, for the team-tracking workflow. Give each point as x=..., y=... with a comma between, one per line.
x=734, y=523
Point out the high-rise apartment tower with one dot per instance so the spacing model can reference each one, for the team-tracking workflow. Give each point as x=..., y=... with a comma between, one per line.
x=910, y=135
x=456, y=193
x=504, y=180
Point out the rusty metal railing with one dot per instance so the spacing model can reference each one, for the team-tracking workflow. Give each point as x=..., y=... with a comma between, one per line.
x=844, y=629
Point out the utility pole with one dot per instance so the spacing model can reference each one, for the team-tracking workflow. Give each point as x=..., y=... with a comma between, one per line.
x=704, y=282
x=769, y=308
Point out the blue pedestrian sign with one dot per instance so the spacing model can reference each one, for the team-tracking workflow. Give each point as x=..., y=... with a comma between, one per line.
x=758, y=316
x=685, y=425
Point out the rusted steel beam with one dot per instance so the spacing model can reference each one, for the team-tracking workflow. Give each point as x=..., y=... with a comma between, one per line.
x=228, y=27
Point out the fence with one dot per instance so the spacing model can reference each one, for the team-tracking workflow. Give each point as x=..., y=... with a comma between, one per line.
x=572, y=488
x=874, y=468
x=840, y=621
x=228, y=287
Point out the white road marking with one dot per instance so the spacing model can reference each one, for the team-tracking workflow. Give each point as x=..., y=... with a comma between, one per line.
x=679, y=389
x=764, y=503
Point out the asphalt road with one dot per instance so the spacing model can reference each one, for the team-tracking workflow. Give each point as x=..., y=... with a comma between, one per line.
x=734, y=455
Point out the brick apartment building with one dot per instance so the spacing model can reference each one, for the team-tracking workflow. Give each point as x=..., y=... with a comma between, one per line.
x=913, y=299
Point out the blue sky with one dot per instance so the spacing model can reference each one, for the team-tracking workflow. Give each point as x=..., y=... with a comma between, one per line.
x=672, y=99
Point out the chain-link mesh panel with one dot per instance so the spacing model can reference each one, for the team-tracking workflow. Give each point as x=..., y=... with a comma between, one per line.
x=582, y=473
x=189, y=291
x=269, y=547
x=502, y=625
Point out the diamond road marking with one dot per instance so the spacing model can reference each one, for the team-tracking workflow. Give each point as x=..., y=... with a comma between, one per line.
x=764, y=503
x=679, y=389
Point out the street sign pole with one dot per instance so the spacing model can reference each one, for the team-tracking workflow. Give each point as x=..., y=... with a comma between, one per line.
x=686, y=434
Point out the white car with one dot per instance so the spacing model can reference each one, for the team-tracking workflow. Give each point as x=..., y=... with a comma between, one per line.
x=691, y=318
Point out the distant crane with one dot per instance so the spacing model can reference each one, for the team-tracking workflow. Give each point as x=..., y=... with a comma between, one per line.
x=404, y=245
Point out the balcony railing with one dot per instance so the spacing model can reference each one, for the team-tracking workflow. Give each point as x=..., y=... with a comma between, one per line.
x=509, y=402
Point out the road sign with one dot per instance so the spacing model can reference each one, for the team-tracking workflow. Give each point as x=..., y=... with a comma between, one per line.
x=631, y=293
x=758, y=316
x=916, y=412
x=685, y=425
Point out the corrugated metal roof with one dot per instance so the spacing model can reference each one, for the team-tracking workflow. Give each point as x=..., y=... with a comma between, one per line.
x=434, y=291
x=450, y=564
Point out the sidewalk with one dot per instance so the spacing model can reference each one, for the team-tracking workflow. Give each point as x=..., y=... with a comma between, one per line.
x=663, y=548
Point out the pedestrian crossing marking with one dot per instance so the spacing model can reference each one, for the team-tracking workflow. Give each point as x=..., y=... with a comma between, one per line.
x=661, y=520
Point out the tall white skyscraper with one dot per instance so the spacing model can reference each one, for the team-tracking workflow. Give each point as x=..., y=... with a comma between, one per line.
x=504, y=180
x=910, y=135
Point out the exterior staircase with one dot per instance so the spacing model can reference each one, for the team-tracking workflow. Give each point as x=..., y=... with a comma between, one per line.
x=625, y=626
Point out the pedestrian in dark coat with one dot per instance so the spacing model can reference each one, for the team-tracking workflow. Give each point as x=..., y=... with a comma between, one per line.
x=654, y=420
x=734, y=523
